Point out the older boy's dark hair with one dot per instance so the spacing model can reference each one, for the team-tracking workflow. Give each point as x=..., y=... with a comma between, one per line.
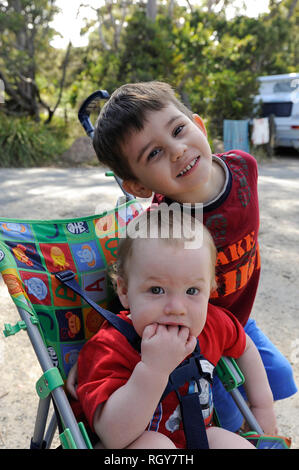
x=125, y=112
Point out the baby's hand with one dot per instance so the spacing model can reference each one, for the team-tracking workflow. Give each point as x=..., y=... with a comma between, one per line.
x=164, y=347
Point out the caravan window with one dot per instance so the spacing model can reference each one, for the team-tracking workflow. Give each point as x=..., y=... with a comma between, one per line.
x=283, y=109
x=284, y=87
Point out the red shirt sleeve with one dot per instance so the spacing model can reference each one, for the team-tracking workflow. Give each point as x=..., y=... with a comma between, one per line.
x=223, y=335
x=105, y=364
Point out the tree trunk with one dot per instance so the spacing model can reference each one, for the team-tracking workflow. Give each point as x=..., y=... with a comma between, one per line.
x=151, y=10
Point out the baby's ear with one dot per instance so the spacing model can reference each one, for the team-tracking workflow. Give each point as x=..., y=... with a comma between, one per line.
x=136, y=188
x=199, y=122
x=122, y=291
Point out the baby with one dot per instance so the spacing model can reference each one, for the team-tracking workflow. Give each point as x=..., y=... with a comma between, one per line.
x=165, y=285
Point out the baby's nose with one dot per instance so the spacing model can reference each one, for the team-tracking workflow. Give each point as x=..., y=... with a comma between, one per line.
x=174, y=307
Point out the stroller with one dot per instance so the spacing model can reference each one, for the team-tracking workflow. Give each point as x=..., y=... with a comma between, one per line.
x=38, y=259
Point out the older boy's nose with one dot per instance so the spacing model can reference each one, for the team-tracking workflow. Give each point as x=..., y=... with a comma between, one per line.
x=177, y=152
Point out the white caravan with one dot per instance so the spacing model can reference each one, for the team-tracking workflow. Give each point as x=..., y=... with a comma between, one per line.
x=279, y=95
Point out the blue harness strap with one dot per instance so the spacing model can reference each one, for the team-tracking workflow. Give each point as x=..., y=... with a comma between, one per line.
x=193, y=422
x=188, y=370
x=68, y=278
x=194, y=426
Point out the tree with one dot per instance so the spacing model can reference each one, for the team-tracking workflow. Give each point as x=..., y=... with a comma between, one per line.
x=151, y=10
x=25, y=34
x=110, y=22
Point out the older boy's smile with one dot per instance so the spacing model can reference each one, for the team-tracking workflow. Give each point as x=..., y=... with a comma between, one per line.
x=189, y=167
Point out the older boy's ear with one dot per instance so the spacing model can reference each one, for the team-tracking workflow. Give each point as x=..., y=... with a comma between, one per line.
x=122, y=291
x=136, y=188
x=199, y=122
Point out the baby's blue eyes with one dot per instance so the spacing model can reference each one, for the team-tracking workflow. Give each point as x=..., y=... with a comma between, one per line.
x=192, y=291
x=159, y=290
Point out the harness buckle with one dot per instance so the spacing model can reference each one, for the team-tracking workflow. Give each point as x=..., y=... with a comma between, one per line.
x=63, y=276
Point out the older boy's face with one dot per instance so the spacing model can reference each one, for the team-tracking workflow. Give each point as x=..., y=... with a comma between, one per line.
x=167, y=285
x=171, y=156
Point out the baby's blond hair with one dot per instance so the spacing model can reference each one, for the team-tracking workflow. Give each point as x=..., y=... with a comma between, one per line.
x=154, y=221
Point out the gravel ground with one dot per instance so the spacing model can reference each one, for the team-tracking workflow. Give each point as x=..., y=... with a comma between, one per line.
x=48, y=193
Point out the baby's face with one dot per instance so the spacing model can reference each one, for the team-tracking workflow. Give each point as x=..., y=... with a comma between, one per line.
x=167, y=284
x=170, y=155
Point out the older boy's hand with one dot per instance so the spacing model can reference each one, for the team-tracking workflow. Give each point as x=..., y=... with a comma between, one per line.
x=164, y=347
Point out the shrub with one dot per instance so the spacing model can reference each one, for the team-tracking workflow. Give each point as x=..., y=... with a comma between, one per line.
x=25, y=143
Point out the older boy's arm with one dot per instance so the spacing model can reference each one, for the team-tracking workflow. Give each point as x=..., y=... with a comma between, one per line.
x=257, y=387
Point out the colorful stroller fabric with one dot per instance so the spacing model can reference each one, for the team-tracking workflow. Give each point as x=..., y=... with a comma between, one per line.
x=31, y=251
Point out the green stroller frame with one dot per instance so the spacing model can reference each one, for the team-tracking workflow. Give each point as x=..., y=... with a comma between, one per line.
x=57, y=320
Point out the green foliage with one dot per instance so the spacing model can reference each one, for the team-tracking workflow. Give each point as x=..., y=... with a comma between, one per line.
x=231, y=98
x=148, y=49
x=212, y=63
x=25, y=143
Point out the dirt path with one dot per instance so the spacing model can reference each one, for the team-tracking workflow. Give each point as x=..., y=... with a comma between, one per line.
x=62, y=193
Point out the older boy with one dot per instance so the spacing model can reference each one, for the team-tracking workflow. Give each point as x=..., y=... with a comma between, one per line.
x=155, y=144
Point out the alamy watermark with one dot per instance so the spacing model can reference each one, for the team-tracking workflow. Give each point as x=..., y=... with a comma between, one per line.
x=175, y=222
x=178, y=221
